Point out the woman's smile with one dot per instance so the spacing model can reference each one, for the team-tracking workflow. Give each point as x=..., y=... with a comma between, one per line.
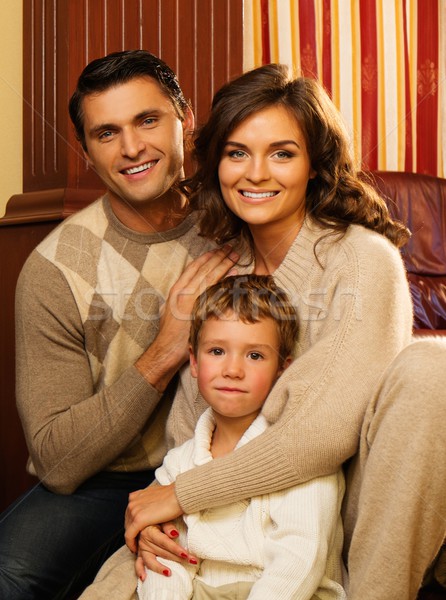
x=265, y=168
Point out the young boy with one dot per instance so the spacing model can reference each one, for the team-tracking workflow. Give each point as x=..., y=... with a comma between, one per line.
x=283, y=545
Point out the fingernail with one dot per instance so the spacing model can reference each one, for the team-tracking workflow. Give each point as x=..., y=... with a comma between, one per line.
x=234, y=256
x=174, y=533
x=166, y=572
x=183, y=555
x=192, y=561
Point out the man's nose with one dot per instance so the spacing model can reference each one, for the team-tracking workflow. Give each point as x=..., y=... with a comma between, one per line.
x=132, y=144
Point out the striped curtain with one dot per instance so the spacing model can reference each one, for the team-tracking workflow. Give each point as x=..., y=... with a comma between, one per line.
x=382, y=61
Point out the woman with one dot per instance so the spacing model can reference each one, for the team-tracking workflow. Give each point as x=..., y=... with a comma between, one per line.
x=274, y=167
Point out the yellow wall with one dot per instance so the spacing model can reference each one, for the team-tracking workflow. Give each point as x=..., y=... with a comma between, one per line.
x=10, y=101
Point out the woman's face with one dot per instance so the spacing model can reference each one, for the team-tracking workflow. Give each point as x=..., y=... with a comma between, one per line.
x=265, y=168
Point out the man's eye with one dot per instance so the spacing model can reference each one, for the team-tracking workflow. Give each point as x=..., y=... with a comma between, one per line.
x=149, y=121
x=105, y=135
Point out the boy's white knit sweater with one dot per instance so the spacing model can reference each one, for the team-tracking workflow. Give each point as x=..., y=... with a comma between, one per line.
x=287, y=543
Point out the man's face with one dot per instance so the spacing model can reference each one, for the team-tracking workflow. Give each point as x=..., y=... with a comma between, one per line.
x=134, y=141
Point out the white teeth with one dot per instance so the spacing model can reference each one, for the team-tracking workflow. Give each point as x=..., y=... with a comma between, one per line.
x=259, y=194
x=143, y=167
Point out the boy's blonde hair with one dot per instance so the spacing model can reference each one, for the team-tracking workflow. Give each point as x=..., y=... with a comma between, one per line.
x=249, y=298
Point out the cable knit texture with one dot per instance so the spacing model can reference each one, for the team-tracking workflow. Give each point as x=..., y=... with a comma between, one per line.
x=287, y=544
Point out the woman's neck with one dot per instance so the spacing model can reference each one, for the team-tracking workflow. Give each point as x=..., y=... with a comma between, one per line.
x=271, y=247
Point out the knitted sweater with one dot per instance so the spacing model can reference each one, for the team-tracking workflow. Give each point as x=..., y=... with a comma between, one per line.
x=288, y=544
x=87, y=306
x=355, y=313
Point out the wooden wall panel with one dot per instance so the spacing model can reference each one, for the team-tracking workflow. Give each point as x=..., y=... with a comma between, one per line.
x=16, y=242
x=200, y=39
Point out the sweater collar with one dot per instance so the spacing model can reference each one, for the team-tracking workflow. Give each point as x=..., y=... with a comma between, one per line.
x=147, y=238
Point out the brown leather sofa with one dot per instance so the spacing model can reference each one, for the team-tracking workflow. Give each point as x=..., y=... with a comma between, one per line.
x=419, y=201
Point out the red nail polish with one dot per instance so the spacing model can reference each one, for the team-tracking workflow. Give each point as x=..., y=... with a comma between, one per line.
x=183, y=555
x=166, y=572
x=174, y=533
x=193, y=561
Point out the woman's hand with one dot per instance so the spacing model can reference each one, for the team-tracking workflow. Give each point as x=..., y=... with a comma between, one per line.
x=155, y=541
x=151, y=506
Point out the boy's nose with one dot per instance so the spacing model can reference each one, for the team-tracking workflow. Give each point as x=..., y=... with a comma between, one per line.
x=233, y=368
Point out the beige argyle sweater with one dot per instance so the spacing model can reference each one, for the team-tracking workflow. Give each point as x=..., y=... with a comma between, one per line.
x=87, y=306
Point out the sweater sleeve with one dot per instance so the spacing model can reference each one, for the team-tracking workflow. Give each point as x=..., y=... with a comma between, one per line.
x=317, y=406
x=305, y=525
x=72, y=430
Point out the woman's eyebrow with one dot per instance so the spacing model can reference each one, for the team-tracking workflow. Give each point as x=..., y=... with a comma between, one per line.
x=272, y=145
x=237, y=144
x=284, y=143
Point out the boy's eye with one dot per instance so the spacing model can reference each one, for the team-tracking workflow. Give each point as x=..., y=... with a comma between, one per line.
x=255, y=356
x=216, y=351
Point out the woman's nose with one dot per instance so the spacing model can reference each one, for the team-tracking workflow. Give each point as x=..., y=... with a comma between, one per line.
x=257, y=170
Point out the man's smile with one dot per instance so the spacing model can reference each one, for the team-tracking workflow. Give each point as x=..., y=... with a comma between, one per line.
x=139, y=168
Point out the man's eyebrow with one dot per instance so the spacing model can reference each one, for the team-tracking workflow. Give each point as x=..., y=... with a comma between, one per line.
x=101, y=127
x=149, y=112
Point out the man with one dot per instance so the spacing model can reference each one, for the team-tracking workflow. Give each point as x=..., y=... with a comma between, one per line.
x=93, y=363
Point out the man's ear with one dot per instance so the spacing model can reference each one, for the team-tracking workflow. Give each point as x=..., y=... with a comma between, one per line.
x=193, y=363
x=189, y=122
x=87, y=157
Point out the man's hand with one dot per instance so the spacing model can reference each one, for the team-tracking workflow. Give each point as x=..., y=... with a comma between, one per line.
x=151, y=506
x=168, y=351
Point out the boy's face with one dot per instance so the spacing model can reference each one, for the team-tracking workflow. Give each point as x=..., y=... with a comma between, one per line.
x=236, y=365
x=134, y=141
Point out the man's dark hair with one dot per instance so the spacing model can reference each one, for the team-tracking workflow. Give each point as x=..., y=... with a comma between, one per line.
x=117, y=68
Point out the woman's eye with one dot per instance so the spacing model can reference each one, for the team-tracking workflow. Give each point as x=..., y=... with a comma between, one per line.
x=236, y=154
x=283, y=154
